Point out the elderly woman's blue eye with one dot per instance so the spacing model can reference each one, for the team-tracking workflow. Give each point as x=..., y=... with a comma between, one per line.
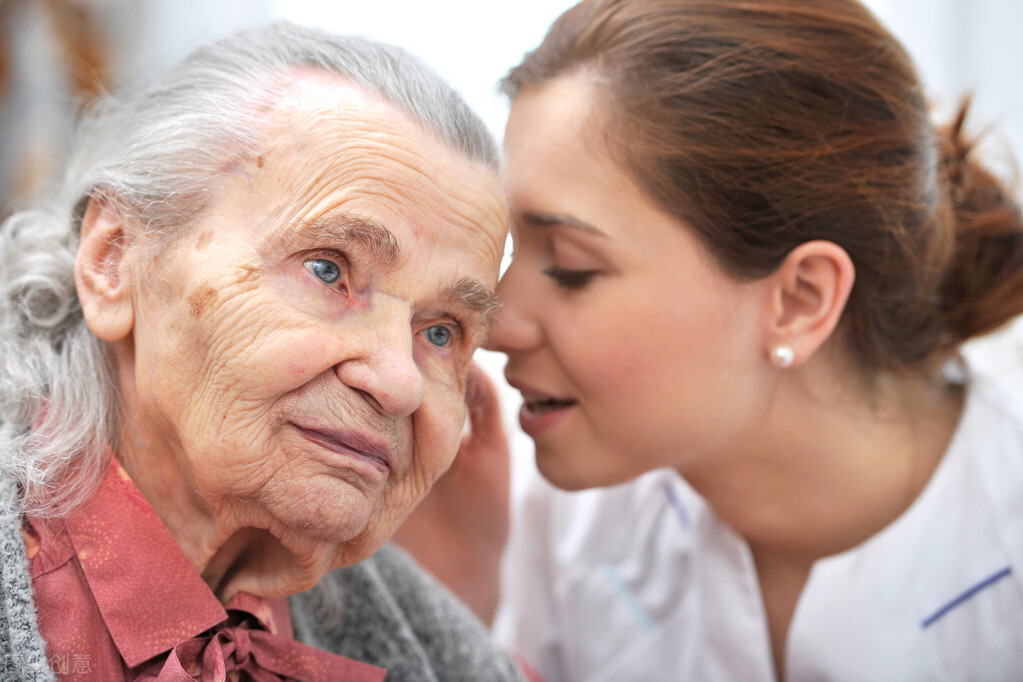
x=438, y=335
x=327, y=271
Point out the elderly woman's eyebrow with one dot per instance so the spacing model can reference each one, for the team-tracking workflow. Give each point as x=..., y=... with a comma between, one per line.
x=475, y=296
x=348, y=230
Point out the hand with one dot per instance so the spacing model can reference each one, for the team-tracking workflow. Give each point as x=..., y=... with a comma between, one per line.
x=459, y=530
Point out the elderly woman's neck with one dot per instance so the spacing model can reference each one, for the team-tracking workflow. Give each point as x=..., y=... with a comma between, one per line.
x=221, y=544
x=231, y=557
x=164, y=487
x=227, y=547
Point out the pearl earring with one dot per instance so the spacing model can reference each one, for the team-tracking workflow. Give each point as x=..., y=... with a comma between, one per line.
x=783, y=356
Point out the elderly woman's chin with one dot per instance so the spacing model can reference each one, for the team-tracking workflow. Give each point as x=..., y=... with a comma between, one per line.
x=336, y=513
x=285, y=543
x=343, y=503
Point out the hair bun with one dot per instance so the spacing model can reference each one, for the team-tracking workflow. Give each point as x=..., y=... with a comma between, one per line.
x=983, y=287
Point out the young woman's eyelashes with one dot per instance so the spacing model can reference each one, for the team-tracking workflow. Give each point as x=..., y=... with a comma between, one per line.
x=570, y=279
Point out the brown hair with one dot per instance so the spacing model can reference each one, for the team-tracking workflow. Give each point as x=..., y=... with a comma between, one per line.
x=766, y=124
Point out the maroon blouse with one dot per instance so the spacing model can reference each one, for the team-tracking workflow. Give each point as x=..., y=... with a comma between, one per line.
x=118, y=599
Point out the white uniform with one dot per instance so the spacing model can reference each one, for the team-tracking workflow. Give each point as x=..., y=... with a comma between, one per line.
x=643, y=582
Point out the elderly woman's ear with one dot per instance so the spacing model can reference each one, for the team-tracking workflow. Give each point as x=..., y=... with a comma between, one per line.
x=102, y=270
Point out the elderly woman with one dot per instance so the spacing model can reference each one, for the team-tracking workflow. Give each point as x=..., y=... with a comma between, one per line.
x=235, y=353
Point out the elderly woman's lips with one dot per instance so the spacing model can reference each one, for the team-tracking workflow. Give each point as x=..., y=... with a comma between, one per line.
x=351, y=444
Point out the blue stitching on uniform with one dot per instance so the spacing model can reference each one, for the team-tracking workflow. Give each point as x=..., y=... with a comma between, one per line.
x=680, y=508
x=644, y=620
x=987, y=582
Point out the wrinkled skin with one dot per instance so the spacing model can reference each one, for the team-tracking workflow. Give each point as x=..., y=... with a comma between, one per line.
x=459, y=531
x=252, y=378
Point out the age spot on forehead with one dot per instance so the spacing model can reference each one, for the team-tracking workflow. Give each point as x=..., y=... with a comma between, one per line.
x=200, y=298
x=204, y=240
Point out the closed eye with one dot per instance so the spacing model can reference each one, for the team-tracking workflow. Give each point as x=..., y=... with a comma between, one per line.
x=570, y=279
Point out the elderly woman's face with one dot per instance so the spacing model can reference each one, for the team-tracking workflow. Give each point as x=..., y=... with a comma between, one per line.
x=300, y=354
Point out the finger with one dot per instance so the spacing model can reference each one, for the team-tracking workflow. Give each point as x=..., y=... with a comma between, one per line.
x=476, y=386
x=484, y=408
x=472, y=402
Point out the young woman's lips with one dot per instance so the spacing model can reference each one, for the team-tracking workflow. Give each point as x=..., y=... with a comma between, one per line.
x=541, y=411
x=350, y=446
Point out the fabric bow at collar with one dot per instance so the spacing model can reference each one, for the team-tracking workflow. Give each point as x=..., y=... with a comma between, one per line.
x=242, y=649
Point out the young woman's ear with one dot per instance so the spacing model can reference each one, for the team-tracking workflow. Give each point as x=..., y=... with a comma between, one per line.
x=808, y=293
x=102, y=271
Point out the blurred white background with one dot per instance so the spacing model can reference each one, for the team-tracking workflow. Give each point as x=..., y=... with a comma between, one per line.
x=959, y=45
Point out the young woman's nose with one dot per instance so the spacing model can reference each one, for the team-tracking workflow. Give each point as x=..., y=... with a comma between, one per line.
x=516, y=329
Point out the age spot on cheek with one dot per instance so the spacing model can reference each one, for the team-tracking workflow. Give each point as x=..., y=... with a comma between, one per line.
x=200, y=298
x=259, y=161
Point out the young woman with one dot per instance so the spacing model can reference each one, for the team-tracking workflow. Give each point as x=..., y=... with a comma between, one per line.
x=745, y=263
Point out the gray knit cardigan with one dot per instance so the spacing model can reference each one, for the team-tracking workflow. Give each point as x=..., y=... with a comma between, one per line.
x=385, y=611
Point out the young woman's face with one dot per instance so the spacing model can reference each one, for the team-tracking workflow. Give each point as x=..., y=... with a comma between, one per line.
x=633, y=350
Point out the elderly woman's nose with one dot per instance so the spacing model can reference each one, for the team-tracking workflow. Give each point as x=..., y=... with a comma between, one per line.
x=517, y=328
x=386, y=371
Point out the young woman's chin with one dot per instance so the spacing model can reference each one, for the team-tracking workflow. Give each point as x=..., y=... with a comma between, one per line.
x=572, y=467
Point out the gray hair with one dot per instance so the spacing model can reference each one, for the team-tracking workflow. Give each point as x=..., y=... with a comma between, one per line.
x=158, y=152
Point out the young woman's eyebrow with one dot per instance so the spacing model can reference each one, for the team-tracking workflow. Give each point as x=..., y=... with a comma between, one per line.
x=535, y=219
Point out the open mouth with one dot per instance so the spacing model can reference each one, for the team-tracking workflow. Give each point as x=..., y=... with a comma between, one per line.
x=543, y=405
x=540, y=411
